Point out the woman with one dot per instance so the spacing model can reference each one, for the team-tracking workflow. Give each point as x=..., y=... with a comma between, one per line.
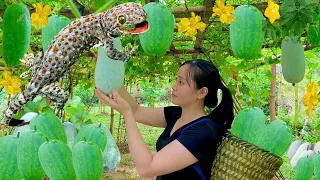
x=187, y=146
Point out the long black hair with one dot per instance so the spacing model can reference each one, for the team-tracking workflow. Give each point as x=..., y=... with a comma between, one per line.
x=205, y=74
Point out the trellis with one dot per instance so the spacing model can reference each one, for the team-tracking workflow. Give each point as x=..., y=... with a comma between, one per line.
x=204, y=11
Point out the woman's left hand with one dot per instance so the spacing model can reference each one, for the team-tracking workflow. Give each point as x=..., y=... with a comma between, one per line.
x=116, y=102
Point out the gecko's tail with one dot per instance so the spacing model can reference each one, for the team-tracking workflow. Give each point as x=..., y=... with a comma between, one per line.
x=17, y=122
x=13, y=109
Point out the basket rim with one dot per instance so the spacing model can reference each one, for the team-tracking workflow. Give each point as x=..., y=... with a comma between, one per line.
x=229, y=135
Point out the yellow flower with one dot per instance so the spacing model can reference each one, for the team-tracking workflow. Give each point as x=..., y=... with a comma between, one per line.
x=310, y=99
x=67, y=116
x=190, y=25
x=12, y=84
x=40, y=17
x=272, y=11
x=224, y=11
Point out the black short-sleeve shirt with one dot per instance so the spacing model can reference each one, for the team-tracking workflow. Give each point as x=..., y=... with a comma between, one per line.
x=200, y=139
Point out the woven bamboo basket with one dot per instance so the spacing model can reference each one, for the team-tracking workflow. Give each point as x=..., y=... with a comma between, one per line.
x=237, y=159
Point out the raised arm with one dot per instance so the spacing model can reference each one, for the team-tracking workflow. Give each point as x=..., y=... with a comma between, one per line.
x=145, y=115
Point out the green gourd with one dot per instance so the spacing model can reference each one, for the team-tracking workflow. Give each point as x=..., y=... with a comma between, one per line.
x=248, y=123
x=316, y=162
x=28, y=161
x=16, y=33
x=157, y=40
x=109, y=73
x=93, y=133
x=246, y=35
x=304, y=169
x=50, y=125
x=276, y=137
x=87, y=161
x=8, y=158
x=293, y=60
x=56, y=160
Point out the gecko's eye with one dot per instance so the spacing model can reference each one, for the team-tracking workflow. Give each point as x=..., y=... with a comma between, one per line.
x=122, y=19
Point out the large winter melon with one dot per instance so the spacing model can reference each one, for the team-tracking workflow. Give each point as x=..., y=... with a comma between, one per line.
x=55, y=24
x=246, y=33
x=8, y=158
x=157, y=40
x=71, y=132
x=276, y=137
x=293, y=60
x=293, y=148
x=304, y=169
x=16, y=33
x=93, y=133
x=248, y=123
x=109, y=73
x=316, y=162
x=56, y=160
x=28, y=161
x=50, y=126
x=87, y=160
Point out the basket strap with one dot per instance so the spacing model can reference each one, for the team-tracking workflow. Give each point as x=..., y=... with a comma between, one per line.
x=196, y=165
x=208, y=120
x=199, y=171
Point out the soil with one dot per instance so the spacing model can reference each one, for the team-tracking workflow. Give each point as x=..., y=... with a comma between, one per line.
x=125, y=171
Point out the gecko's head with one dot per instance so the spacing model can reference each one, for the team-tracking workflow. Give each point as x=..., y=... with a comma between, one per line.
x=126, y=19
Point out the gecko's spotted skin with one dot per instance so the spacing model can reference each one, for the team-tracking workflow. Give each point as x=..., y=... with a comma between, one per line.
x=66, y=47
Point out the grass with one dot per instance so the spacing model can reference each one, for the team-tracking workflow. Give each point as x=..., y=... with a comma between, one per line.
x=149, y=134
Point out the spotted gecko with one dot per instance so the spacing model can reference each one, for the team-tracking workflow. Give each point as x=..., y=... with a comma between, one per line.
x=67, y=46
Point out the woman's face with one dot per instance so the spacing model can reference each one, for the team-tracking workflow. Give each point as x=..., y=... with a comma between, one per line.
x=183, y=90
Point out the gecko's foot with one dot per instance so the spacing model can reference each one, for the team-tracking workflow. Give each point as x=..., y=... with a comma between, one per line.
x=130, y=49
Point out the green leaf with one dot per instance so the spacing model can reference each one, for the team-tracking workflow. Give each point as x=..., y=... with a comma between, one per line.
x=55, y=24
x=48, y=109
x=74, y=102
x=99, y=3
x=89, y=121
x=296, y=16
x=317, y=127
x=77, y=114
x=35, y=106
x=313, y=36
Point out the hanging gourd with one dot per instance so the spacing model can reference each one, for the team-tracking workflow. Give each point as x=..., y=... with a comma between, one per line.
x=16, y=33
x=157, y=40
x=109, y=73
x=293, y=60
x=55, y=24
x=246, y=33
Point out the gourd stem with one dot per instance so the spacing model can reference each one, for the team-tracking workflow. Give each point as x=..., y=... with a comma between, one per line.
x=296, y=116
x=255, y=81
x=106, y=6
x=74, y=9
